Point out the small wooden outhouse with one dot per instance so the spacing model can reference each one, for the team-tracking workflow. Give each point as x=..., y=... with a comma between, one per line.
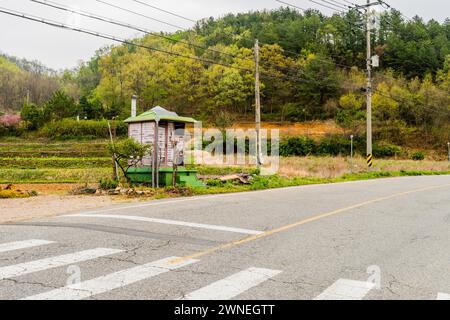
x=164, y=129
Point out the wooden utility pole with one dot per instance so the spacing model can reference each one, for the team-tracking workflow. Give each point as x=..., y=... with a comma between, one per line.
x=257, y=107
x=114, y=159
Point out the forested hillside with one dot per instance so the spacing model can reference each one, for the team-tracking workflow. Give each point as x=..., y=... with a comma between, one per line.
x=20, y=78
x=313, y=68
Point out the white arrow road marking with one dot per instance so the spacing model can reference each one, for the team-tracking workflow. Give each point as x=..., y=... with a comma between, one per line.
x=165, y=221
x=233, y=286
x=345, y=289
x=5, y=247
x=443, y=296
x=53, y=262
x=112, y=281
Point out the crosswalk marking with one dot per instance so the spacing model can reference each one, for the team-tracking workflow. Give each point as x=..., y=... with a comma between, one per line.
x=443, y=296
x=112, y=281
x=345, y=289
x=170, y=222
x=53, y=262
x=12, y=246
x=233, y=286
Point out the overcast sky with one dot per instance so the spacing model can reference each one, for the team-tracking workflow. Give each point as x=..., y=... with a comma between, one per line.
x=59, y=48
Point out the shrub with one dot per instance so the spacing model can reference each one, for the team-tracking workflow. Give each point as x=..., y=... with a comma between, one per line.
x=10, y=120
x=70, y=128
x=32, y=115
x=418, y=156
x=59, y=106
x=386, y=150
x=16, y=194
x=10, y=125
x=108, y=184
x=334, y=146
x=297, y=146
x=128, y=153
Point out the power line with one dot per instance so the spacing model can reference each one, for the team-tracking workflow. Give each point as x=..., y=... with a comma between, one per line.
x=443, y=113
x=108, y=37
x=350, y=2
x=343, y=4
x=326, y=6
x=190, y=43
x=265, y=63
x=291, y=5
x=141, y=15
x=165, y=11
x=335, y=4
x=217, y=51
x=126, y=25
x=128, y=42
x=299, y=55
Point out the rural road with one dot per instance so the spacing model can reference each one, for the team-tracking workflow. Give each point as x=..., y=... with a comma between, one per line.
x=377, y=239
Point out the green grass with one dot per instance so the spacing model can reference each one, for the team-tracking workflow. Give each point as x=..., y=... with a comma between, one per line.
x=220, y=171
x=45, y=148
x=54, y=175
x=273, y=182
x=55, y=163
x=46, y=161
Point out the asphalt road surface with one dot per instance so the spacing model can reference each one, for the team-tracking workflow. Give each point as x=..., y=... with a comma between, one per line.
x=377, y=239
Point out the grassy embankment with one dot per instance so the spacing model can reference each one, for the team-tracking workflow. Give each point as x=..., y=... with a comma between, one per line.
x=53, y=162
x=40, y=162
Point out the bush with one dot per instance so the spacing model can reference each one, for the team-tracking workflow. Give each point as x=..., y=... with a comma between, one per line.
x=108, y=184
x=294, y=112
x=334, y=146
x=10, y=125
x=386, y=150
x=297, y=146
x=70, y=128
x=11, y=194
x=418, y=156
x=32, y=115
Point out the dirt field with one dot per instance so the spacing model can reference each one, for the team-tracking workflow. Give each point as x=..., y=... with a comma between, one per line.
x=332, y=167
x=46, y=188
x=15, y=210
x=315, y=128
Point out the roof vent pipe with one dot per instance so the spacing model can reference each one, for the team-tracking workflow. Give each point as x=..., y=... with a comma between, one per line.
x=133, y=106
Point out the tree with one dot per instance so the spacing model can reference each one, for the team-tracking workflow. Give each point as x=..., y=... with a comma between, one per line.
x=90, y=108
x=317, y=84
x=351, y=112
x=32, y=115
x=60, y=106
x=128, y=153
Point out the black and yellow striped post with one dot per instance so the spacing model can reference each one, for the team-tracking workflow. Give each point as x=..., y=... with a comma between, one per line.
x=370, y=160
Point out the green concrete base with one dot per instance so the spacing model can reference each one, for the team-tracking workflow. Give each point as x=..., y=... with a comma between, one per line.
x=185, y=177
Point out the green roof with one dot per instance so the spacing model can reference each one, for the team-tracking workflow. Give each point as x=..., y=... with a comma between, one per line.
x=160, y=113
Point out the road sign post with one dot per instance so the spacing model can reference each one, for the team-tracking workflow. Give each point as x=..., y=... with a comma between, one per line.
x=351, y=153
x=448, y=146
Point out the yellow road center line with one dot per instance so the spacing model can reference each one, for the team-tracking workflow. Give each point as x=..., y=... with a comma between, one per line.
x=299, y=223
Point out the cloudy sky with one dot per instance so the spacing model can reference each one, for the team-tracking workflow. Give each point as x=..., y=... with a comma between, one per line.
x=59, y=48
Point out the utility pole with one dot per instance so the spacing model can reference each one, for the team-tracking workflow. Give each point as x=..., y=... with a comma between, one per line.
x=369, y=88
x=115, y=166
x=257, y=107
x=370, y=23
